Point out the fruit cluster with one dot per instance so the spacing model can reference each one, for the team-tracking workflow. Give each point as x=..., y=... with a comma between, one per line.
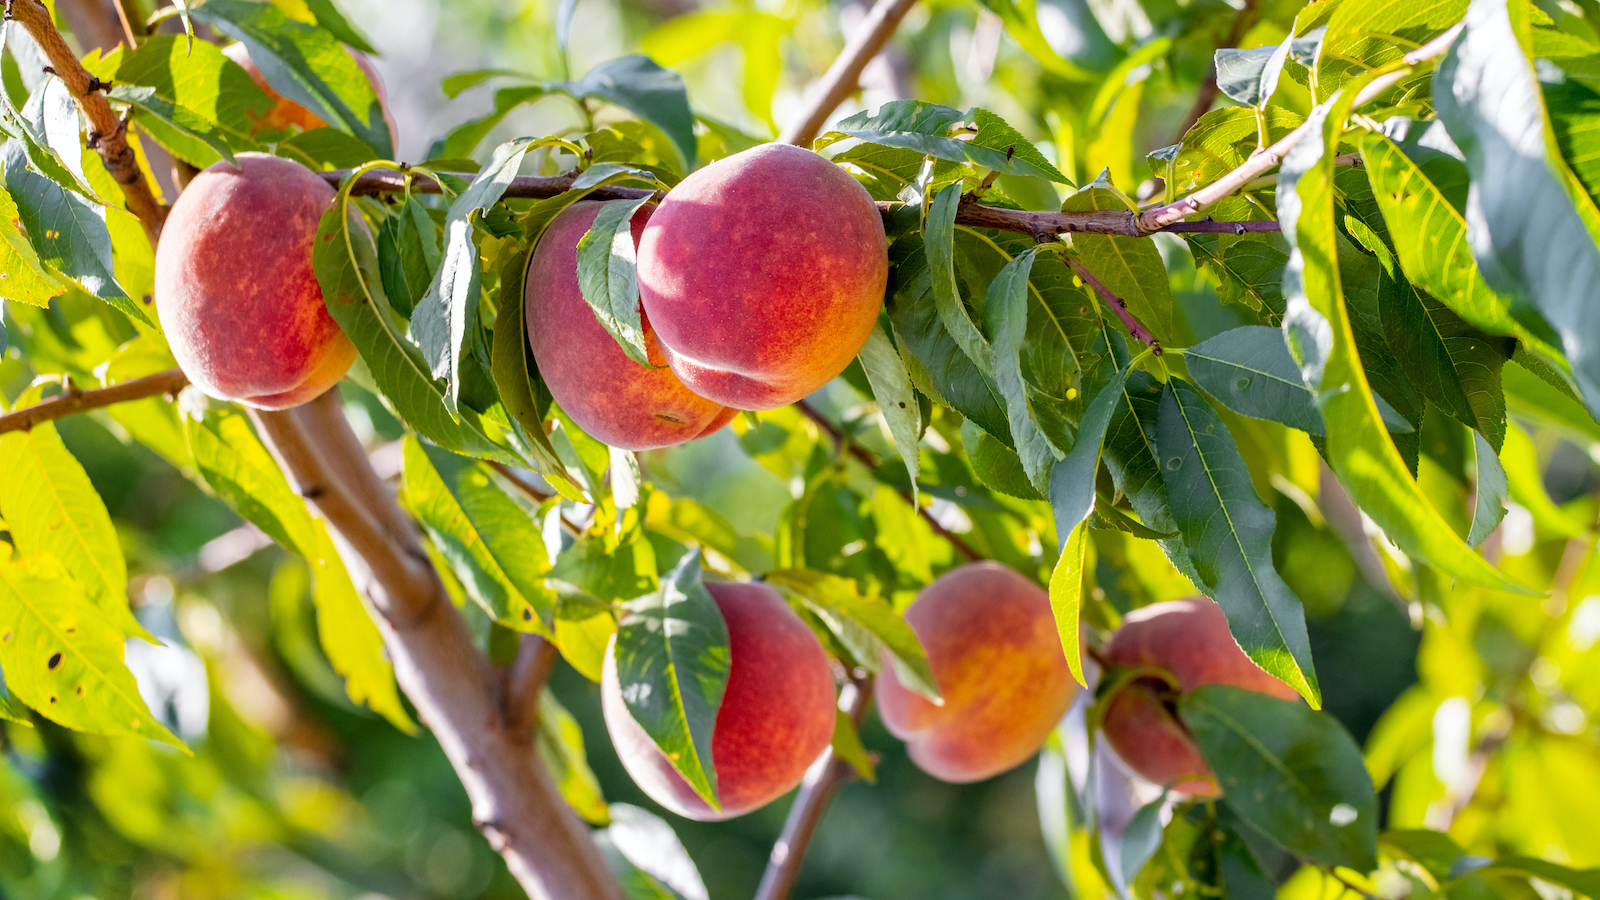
x=761, y=276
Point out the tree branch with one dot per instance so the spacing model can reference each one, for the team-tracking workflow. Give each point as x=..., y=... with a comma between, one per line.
x=525, y=681
x=108, y=134
x=1162, y=217
x=1117, y=304
x=822, y=781
x=74, y=400
x=862, y=456
x=452, y=686
x=844, y=76
x=535, y=494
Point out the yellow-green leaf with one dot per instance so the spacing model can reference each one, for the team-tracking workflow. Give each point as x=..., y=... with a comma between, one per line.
x=349, y=636
x=22, y=276
x=1066, y=597
x=560, y=746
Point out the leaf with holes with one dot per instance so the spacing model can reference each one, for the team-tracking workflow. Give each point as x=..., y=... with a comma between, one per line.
x=672, y=660
x=63, y=656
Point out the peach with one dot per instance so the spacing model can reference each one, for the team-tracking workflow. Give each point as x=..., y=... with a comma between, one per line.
x=1189, y=639
x=776, y=718
x=610, y=396
x=235, y=290
x=992, y=643
x=285, y=112
x=763, y=274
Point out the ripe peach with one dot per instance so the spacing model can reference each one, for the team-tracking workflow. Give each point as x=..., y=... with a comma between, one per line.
x=235, y=290
x=610, y=396
x=286, y=112
x=776, y=718
x=1190, y=639
x=763, y=274
x=992, y=643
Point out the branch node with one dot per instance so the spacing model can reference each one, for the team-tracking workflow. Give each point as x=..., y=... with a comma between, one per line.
x=95, y=84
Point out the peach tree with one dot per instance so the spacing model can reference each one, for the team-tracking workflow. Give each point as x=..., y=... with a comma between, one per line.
x=1079, y=422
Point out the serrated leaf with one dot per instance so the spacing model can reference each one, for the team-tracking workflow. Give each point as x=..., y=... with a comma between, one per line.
x=1228, y=533
x=891, y=387
x=1322, y=339
x=559, y=743
x=608, y=276
x=306, y=64
x=938, y=239
x=839, y=603
x=493, y=546
x=1130, y=267
x=22, y=276
x=1291, y=772
x=350, y=637
x=1250, y=371
x=1533, y=236
x=447, y=317
x=672, y=663
x=927, y=129
x=52, y=509
x=62, y=654
x=346, y=266
x=1006, y=307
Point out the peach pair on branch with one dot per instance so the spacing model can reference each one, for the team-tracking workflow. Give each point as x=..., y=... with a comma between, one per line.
x=760, y=278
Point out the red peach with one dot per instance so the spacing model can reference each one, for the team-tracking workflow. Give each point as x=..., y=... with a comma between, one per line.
x=777, y=714
x=992, y=643
x=235, y=290
x=763, y=274
x=610, y=396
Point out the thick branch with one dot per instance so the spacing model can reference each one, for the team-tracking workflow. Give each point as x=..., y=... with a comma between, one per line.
x=844, y=76
x=1162, y=217
x=822, y=781
x=514, y=801
x=1117, y=304
x=107, y=134
x=75, y=401
x=862, y=456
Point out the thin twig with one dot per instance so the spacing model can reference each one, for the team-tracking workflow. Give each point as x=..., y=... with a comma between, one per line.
x=1117, y=304
x=108, y=134
x=535, y=494
x=844, y=76
x=133, y=26
x=1207, y=95
x=822, y=781
x=1160, y=217
x=75, y=401
x=862, y=456
x=525, y=681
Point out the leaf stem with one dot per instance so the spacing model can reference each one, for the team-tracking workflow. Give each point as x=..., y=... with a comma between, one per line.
x=1117, y=304
x=822, y=781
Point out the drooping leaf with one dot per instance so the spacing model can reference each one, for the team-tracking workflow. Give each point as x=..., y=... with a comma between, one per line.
x=330, y=16
x=608, y=277
x=446, y=319
x=1072, y=480
x=25, y=279
x=1066, y=596
x=1489, y=505
x=1291, y=772
x=349, y=636
x=939, y=242
x=306, y=64
x=62, y=654
x=672, y=663
x=408, y=255
x=1130, y=456
x=848, y=747
x=1006, y=307
x=641, y=86
x=929, y=128
x=891, y=387
x=1228, y=533
x=1250, y=371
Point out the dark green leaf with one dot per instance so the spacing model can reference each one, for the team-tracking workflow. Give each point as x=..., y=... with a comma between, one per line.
x=1072, y=493
x=1130, y=267
x=608, y=276
x=891, y=387
x=928, y=128
x=657, y=95
x=408, y=255
x=1250, y=371
x=1007, y=310
x=1293, y=773
x=1130, y=456
x=939, y=242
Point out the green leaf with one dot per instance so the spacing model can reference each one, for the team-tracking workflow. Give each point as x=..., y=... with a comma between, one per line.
x=1365, y=34
x=1321, y=337
x=640, y=86
x=672, y=663
x=848, y=747
x=1430, y=241
x=495, y=548
x=329, y=16
x=1066, y=596
x=68, y=232
x=25, y=278
x=840, y=605
x=1531, y=239
x=1293, y=773
x=559, y=743
x=927, y=128
x=446, y=319
x=1434, y=851
x=306, y=64
x=1228, y=532
x=1007, y=309
x=408, y=255
x=939, y=242
x=1249, y=370
x=1130, y=267
x=346, y=266
x=1141, y=838
x=1489, y=505
x=52, y=509
x=1251, y=76
x=349, y=636
x=997, y=466
x=54, y=116
x=1072, y=480
x=239, y=469
x=1130, y=456
x=34, y=146
x=608, y=276
x=62, y=654
x=891, y=387
x=1585, y=882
